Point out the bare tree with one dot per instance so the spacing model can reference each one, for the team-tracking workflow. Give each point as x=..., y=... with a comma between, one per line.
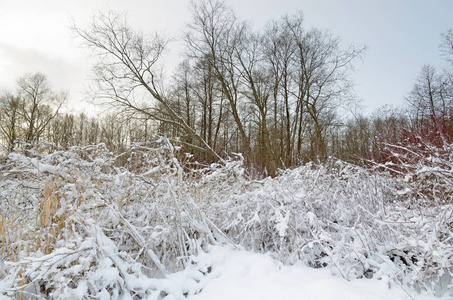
x=62, y=131
x=309, y=83
x=213, y=36
x=256, y=88
x=279, y=85
x=287, y=113
x=447, y=45
x=357, y=140
x=271, y=95
x=127, y=73
x=10, y=123
x=322, y=78
x=184, y=102
x=38, y=104
x=431, y=106
x=113, y=133
x=196, y=96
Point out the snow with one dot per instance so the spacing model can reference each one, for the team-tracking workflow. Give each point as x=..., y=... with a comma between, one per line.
x=240, y=274
x=152, y=230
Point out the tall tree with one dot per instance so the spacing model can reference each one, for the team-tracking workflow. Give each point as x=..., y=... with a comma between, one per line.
x=127, y=73
x=10, y=122
x=38, y=104
x=446, y=45
x=431, y=107
x=323, y=69
x=213, y=36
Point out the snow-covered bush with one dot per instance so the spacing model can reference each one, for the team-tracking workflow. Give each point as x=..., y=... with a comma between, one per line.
x=87, y=223
x=427, y=168
x=360, y=223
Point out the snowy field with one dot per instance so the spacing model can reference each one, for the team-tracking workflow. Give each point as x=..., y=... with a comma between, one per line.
x=87, y=224
x=245, y=275
x=242, y=275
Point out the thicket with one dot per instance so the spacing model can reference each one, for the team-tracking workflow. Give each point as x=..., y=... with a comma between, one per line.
x=84, y=222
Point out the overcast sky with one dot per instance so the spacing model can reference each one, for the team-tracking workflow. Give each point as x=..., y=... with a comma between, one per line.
x=402, y=36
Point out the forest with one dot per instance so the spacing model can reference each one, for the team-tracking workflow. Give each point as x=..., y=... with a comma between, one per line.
x=281, y=96
x=256, y=140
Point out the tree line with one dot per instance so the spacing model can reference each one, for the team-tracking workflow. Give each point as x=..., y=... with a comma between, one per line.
x=33, y=116
x=275, y=95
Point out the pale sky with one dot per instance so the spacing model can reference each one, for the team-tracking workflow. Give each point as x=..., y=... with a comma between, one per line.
x=401, y=35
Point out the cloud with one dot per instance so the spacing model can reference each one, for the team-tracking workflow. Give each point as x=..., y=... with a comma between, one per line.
x=64, y=72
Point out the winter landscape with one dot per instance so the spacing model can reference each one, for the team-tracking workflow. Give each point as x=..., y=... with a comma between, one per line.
x=250, y=173
x=74, y=225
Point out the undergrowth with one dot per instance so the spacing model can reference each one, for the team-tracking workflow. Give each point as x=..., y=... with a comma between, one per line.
x=85, y=223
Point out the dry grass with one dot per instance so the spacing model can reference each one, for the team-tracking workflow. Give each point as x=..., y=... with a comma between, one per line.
x=52, y=216
x=2, y=233
x=18, y=235
x=11, y=234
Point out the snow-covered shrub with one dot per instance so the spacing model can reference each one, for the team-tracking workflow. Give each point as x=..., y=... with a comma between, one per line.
x=426, y=171
x=87, y=222
x=360, y=223
x=427, y=168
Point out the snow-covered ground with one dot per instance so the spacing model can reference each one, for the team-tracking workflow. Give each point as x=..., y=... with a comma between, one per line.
x=239, y=274
x=80, y=224
x=226, y=273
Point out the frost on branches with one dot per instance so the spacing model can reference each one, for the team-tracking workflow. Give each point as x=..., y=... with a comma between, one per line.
x=84, y=223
